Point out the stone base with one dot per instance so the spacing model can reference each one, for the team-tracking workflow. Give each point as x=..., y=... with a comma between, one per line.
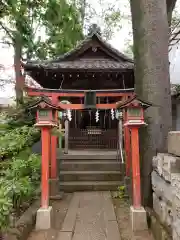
x=138, y=219
x=44, y=218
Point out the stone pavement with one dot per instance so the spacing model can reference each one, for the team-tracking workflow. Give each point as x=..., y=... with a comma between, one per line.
x=90, y=216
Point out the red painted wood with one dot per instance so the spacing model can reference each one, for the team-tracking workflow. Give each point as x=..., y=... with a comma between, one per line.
x=53, y=173
x=127, y=139
x=135, y=167
x=31, y=92
x=45, y=137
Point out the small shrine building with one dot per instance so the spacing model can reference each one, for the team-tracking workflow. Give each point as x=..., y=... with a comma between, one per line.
x=93, y=67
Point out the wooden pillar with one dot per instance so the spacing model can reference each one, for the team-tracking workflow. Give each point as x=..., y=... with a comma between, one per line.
x=135, y=168
x=127, y=143
x=120, y=133
x=66, y=137
x=45, y=138
x=53, y=174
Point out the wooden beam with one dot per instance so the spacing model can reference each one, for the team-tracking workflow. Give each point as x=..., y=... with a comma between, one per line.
x=34, y=92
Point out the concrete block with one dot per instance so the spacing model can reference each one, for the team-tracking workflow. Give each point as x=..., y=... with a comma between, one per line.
x=176, y=230
x=162, y=188
x=176, y=208
x=44, y=218
x=163, y=211
x=174, y=143
x=160, y=162
x=159, y=207
x=166, y=174
x=175, y=182
x=138, y=219
x=158, y=230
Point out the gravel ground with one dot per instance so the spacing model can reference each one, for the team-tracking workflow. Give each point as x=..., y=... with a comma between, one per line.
x=60, y=209
x=123, y=217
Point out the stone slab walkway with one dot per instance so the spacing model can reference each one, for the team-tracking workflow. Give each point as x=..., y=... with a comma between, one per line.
x=90, y=216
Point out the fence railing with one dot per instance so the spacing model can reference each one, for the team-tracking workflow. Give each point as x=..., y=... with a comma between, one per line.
x=93, y=138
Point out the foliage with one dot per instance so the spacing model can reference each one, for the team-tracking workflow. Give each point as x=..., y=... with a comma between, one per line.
x=176, y=88
x=104, y=13
x=5, y=206
x=31, y=26
x=120, y=193
x=15, y=140
x=17, y=185
x=35, y=22
x=57, y=132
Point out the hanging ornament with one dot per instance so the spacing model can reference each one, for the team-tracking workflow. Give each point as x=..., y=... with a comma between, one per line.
x=69, y=115
x=112, y=114
x=97, y=116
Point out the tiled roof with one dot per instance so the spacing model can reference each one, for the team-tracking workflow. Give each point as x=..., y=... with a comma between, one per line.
x=86, y=64
x=72, y=60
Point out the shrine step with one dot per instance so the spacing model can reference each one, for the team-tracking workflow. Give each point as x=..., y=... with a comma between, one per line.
x=90, y=186
x=66, y=176
x=90, y=165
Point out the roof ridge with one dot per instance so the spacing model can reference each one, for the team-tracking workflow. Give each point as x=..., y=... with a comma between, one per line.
x=78, y=46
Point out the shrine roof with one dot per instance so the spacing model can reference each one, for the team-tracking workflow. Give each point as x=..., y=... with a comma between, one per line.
x=125, y=103
x=43, y=99
x=91, y=53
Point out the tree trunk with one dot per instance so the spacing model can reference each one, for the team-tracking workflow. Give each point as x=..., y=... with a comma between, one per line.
x=170, y=7
x=19, y=80
x=152, y=82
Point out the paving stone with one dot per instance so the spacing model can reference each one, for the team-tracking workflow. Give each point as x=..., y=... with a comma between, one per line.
x=95, y=218
x=69, y=221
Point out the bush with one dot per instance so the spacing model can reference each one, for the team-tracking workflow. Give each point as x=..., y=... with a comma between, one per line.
x=18, y=185
x=16, y=140
x=5, y=206
x=20, y=115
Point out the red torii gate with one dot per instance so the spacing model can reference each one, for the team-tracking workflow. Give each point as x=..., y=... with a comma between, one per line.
x=55, y=94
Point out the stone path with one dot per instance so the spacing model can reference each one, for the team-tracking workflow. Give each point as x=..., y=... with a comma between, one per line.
x=90, y=216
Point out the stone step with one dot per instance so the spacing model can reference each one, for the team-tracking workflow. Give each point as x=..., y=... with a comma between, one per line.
x=87, y=157
x=90, y=186
x=90, y=165
x=90, y=176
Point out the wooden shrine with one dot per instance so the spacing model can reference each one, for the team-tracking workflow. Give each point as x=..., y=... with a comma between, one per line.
x=95, y=70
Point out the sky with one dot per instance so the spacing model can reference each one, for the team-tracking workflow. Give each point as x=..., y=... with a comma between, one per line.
x=118, y=41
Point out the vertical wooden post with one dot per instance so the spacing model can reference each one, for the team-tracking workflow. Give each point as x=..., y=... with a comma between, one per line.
x=120, y=133
x=60, y=137
x=53, y=174
x=45, y=136
x=135, y=167
x=127, y=143
x=66, y=137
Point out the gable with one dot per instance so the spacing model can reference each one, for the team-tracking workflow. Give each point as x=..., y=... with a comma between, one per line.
x=94, y=47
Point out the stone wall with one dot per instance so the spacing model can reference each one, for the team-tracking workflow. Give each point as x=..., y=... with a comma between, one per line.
x=166, y=186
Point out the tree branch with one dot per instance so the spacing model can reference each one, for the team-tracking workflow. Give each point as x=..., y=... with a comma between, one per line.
x=7, y=31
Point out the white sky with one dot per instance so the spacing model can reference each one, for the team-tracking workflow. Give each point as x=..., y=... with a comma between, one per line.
x=118, y=41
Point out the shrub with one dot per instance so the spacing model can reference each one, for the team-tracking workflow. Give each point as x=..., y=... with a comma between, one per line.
x=18, y=185
x=16, y=140
x=5, y=206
